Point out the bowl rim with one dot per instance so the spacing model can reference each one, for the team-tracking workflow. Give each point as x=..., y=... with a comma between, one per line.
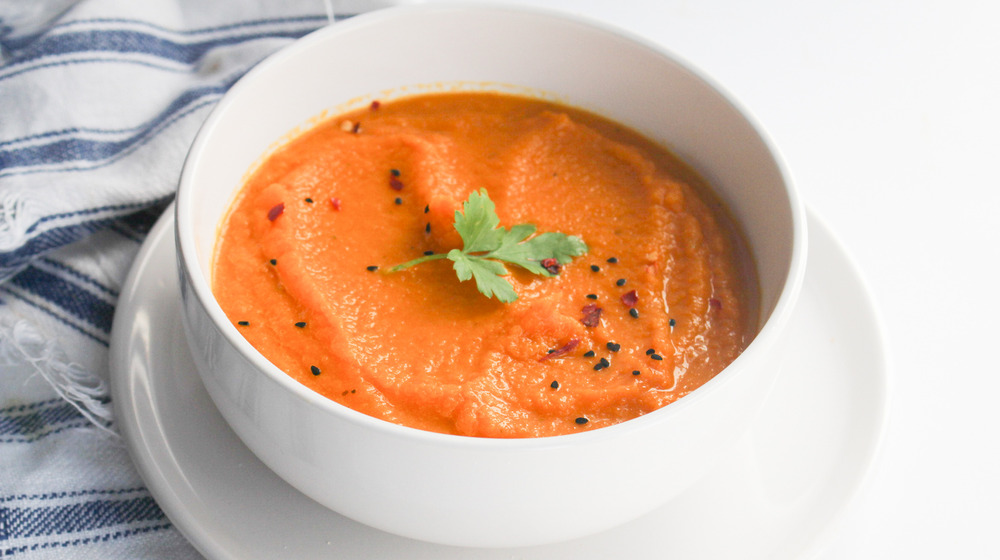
x=200, y=288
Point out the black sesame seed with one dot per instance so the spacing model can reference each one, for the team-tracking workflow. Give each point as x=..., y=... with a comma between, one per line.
x=656, y=357
x=274, y=261
x=599, y=366
x=636, y=372
x=551, y=350
x=581, y=420
x=427, y=228
x=398, y=200
x=591, y=296
x=314, y=370
x=613, y=260
x=620, y=282
x=614, y=347
x=588, y=354
x=244, y=323
x=673, y=323
x=634, y=313
x=428, y=253
x=395, y=172
x=372, y=268
x=604, y=362
x=427, y=208
x=309, y=200
x=301, y=324
x=554, y=385
x=651, y=351
x=595, y=268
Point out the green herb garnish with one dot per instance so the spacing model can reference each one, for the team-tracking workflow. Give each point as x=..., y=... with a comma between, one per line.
x=487, y=246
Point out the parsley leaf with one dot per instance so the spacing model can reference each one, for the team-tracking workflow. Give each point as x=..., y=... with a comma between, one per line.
x=487, y=246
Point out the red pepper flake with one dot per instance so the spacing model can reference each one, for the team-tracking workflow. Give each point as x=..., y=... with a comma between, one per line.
x=375, y=105
x=591, y=315
x=714, y=303
x=552, y=265
x=395, y=183
x=629, y=299
x=564, y=349
x=335, y=202
x=275, y=211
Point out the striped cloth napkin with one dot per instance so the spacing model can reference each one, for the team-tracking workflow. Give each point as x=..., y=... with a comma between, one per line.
x=99, y=101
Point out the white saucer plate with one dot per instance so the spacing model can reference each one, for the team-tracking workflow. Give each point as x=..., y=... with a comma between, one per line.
x=779, y=495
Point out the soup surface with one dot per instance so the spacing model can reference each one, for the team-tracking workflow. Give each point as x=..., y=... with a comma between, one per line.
x=663, y=300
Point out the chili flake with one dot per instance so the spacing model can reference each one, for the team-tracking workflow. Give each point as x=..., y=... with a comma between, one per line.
x=275, y=211
x=714, y=303
x=375, y=105
x=335, y=202
x=395, y=183
x=551, y=265
x=629, y=299
x=591, y=315
x=564, y=349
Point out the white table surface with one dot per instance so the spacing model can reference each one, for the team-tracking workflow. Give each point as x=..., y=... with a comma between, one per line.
x=888, y=116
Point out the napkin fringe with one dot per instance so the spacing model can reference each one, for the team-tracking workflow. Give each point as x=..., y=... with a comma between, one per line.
x=22, y=344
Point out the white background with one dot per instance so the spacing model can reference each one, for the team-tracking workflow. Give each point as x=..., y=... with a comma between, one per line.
x=888, y=116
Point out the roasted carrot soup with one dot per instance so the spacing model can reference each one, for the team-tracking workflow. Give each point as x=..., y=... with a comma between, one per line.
x=633, y=288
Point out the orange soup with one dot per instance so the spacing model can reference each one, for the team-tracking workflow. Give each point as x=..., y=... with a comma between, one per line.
x=663, y=300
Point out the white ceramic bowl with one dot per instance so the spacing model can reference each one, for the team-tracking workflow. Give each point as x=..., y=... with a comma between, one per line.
x=460, y=490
